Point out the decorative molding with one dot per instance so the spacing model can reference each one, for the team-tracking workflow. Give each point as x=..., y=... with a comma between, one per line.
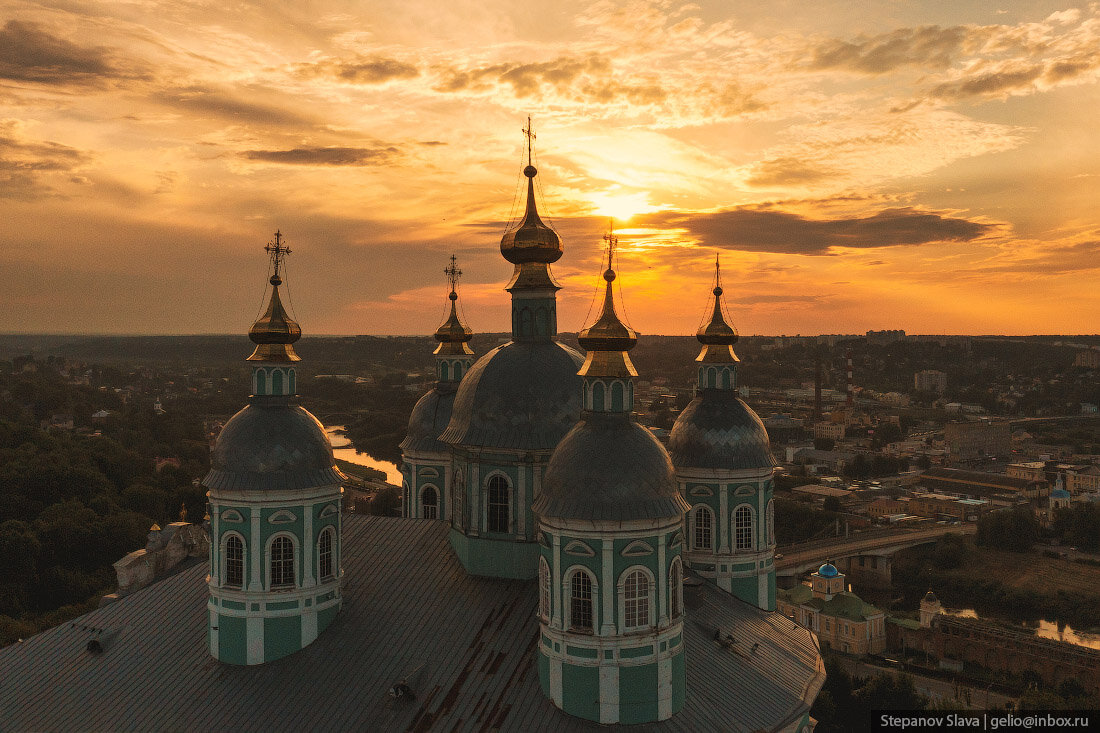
x=677, y=540
x=282, y=517
x=328, y=511
x=701, y=491
x=544, y=540
x=637, y=548
x=576, y=547
x=232, y=515
x=428, y=471
x=745, y=491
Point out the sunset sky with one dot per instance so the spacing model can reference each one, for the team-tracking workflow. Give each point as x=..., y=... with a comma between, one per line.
x=931, y=166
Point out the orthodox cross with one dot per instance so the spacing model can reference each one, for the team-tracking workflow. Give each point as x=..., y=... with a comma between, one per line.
x=611, y=240
x=530, y=138
x=452, y=272
x=278, y=251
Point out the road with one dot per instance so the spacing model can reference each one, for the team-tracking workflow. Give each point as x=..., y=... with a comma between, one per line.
x=981, y=698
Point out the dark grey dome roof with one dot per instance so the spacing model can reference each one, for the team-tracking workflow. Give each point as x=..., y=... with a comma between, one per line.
x=272, y=444
x=609, y=468
x=429, y=419
x=718, y=430
x=522, y=396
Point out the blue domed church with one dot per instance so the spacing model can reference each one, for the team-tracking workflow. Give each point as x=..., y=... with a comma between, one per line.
x=724, y=466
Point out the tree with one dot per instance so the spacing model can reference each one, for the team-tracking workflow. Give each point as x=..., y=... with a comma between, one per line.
x=1015, y=530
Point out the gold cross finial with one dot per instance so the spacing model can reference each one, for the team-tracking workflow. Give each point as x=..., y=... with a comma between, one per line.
x=611, y=240
x=452, y=272
x=278, y=251
x=530, y=138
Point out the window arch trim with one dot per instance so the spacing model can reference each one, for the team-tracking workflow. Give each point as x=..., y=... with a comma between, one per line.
x=223, y=581
x=569, y=621
x=322, y=576
x=702, y=534
x=744, y=538
x=643, y=615
x=497, y=514
x=434, y=506
x=270, y=567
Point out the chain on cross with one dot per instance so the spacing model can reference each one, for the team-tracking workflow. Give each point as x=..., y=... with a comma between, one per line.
x=527, y=131
x=452, y=272
x=611, y=240
x=278, y=251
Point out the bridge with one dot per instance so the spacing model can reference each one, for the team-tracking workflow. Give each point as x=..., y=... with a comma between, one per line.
x=865, y=556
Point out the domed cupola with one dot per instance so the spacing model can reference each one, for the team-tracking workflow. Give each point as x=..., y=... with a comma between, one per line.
x=426, y=460
x=511, y=409
x=274, y=497
x=610, y=575
x=724, y=466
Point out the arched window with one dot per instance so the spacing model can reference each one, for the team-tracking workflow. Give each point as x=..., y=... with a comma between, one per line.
x=498, y=507
x=725, y=379
x=675, y=589
x=292, y=385
x=598, y=397
x=704, y=524
x=544, y=590
x=458, y=500
x=234, y=562
x=429, y=502
x=636, y=601
x=616, y=396
x=742, y=528
x=458, y=370
x=712, y=377
x=325, y=564
x=261, y=382
x=277, y=381
x=542, y=322
x=444, y=371
x=581, y=617
x=282, y=562
x=770, y=521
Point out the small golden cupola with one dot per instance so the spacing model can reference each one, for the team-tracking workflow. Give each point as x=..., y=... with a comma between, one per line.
x=454, y=335
x=717, y=336
x=608, y=340
x=276, y=331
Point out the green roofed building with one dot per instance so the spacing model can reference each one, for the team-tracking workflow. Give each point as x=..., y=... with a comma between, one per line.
x=840, y=618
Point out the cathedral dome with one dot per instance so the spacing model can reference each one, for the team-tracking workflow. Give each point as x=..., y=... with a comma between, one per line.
x=272, y=445
x=718, y=430
x=521, y=395
x=428, y=420
x=828, y=570
x=609, y=468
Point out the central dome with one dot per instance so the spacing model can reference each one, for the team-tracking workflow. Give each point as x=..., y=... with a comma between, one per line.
x=609, y=468
x=272, y=445
x=718, y=430
x=520, y=395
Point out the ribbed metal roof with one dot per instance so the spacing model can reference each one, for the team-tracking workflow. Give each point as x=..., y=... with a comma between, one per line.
x=272, y=444
x=464, y=645
x=609, y=467
x=718, y=430
x=429, y=419
x=521, y=395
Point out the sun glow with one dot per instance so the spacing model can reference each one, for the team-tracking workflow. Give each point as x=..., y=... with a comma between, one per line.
x=621, y=206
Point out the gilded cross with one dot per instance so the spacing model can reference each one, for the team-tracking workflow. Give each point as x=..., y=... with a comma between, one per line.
x=529, y=133
x=452, y=272
x=278, y=251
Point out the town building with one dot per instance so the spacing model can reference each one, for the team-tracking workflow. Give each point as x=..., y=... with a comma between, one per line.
x=1087, y=358
x=973, y=441
x=839, y=618
x=979, y=484
x=930, y=380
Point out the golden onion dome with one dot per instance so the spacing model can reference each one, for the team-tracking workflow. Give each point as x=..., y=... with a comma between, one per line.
x=717, y=332
x=531, y=240
x=608, y=333
x=275, y=331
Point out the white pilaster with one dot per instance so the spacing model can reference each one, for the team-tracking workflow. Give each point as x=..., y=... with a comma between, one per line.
x=254, y=632
x=476, y=520
x=664, y=687
x=522, y=503
x=308, y=578
x=723, y=527
x=609, y=693
x=555, y=680
x=557, y=597
x=212, y=623
x=215, y=547
x=662, y=581
x=607, y=583
x=256, y=554
x=309, y=626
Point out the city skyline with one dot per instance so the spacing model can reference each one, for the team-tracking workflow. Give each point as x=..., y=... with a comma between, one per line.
x=905, y=166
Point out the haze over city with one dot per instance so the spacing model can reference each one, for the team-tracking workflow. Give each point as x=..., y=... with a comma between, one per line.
x=924, y=166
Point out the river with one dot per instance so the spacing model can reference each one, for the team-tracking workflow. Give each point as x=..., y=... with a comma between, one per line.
x=1045, y=630
x=342, y=449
